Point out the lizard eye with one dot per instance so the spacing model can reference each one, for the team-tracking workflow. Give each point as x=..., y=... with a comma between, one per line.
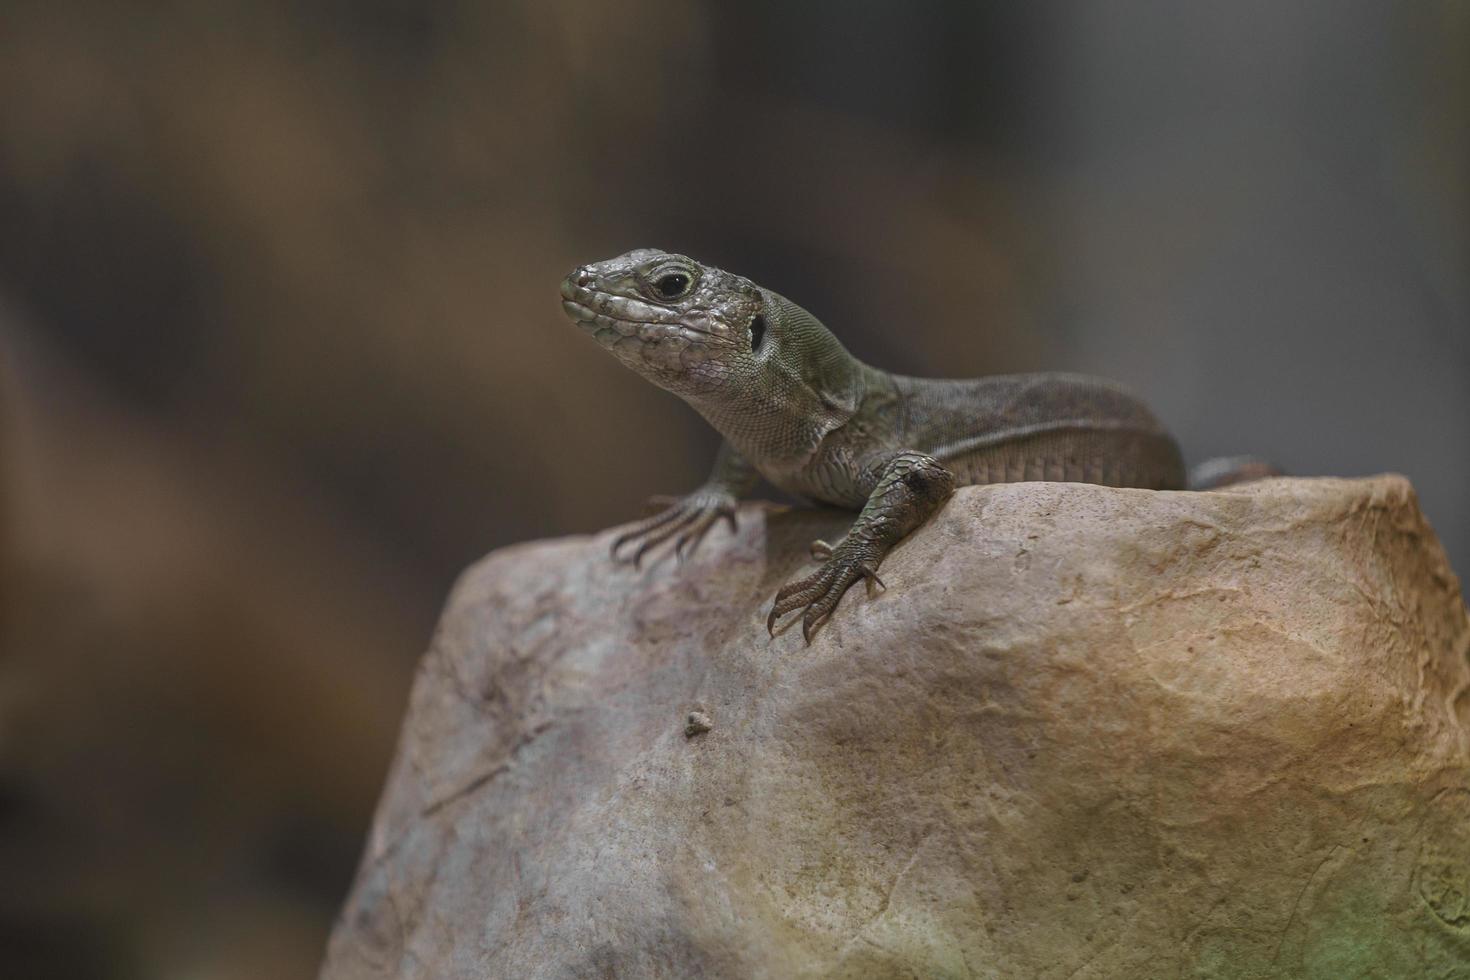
x=672, y=285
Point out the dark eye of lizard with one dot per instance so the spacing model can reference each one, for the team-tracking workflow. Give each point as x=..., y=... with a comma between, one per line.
x=672, y=285
x=757, y=332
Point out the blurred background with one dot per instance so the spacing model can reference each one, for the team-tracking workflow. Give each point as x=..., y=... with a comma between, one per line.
x=281, y=348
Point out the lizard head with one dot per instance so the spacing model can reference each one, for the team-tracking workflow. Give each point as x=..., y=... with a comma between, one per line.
x=690, y=328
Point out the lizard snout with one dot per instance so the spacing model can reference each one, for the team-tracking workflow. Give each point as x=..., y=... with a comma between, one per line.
x=580, y=276
x=575, y=298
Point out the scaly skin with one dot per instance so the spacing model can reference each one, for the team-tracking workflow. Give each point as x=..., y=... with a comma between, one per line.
x=798, y=409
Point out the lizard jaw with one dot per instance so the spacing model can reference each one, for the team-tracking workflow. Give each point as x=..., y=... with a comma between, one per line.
x=576, y=312
x=597, y=311
x=661, y=345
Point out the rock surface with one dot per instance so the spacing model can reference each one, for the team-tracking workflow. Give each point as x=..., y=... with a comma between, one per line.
x=1085, y=733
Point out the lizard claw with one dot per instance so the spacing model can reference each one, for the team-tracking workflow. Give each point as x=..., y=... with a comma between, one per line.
x=685, y=520
x=696, y=530
x=820, y=591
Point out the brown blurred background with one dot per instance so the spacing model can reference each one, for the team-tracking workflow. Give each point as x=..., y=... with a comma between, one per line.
x=281, y=351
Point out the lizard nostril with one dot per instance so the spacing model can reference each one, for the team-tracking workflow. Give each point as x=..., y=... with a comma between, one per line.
x=583, y=276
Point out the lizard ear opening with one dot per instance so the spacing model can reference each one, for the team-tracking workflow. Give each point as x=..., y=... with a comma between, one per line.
x=757, y=332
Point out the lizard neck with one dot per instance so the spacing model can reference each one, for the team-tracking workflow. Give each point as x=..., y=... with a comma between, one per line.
x=806, y=385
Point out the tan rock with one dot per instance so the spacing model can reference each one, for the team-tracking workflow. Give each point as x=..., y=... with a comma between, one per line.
x=1085, y=733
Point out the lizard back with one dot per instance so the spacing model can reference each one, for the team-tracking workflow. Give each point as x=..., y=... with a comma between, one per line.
x=1053, y=426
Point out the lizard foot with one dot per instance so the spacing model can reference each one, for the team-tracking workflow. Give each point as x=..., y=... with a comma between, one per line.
x=820, y=591
x=686, y=519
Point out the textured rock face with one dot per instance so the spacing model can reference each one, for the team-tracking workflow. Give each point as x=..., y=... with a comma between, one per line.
x=1085, y=733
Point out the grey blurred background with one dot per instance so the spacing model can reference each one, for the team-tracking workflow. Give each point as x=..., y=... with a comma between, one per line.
x=281, y=349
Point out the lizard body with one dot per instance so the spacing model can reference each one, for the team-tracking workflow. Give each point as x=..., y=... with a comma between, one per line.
x=796, y=408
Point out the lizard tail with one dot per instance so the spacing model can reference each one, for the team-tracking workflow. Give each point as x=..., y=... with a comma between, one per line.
x=1225, y=470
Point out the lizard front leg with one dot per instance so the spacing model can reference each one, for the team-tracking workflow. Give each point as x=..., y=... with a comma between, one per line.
x=909, y=487
x=691, y=516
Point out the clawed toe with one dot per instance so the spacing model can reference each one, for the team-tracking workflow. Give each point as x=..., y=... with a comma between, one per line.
x=685, y=521
x=820, y=592
x=641, y=530
x=791, y=598
x=694, y=532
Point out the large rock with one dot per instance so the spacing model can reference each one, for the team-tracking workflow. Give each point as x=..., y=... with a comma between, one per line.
x=1084, y=733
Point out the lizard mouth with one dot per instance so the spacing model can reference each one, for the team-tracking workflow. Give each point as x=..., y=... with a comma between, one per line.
x=609, y=316
x=579, y=314
x=576, y=302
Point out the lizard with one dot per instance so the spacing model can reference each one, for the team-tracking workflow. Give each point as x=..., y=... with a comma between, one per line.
x=793, y=406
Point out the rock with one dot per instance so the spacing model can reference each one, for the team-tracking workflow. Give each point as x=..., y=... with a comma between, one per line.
x=1084, y=733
